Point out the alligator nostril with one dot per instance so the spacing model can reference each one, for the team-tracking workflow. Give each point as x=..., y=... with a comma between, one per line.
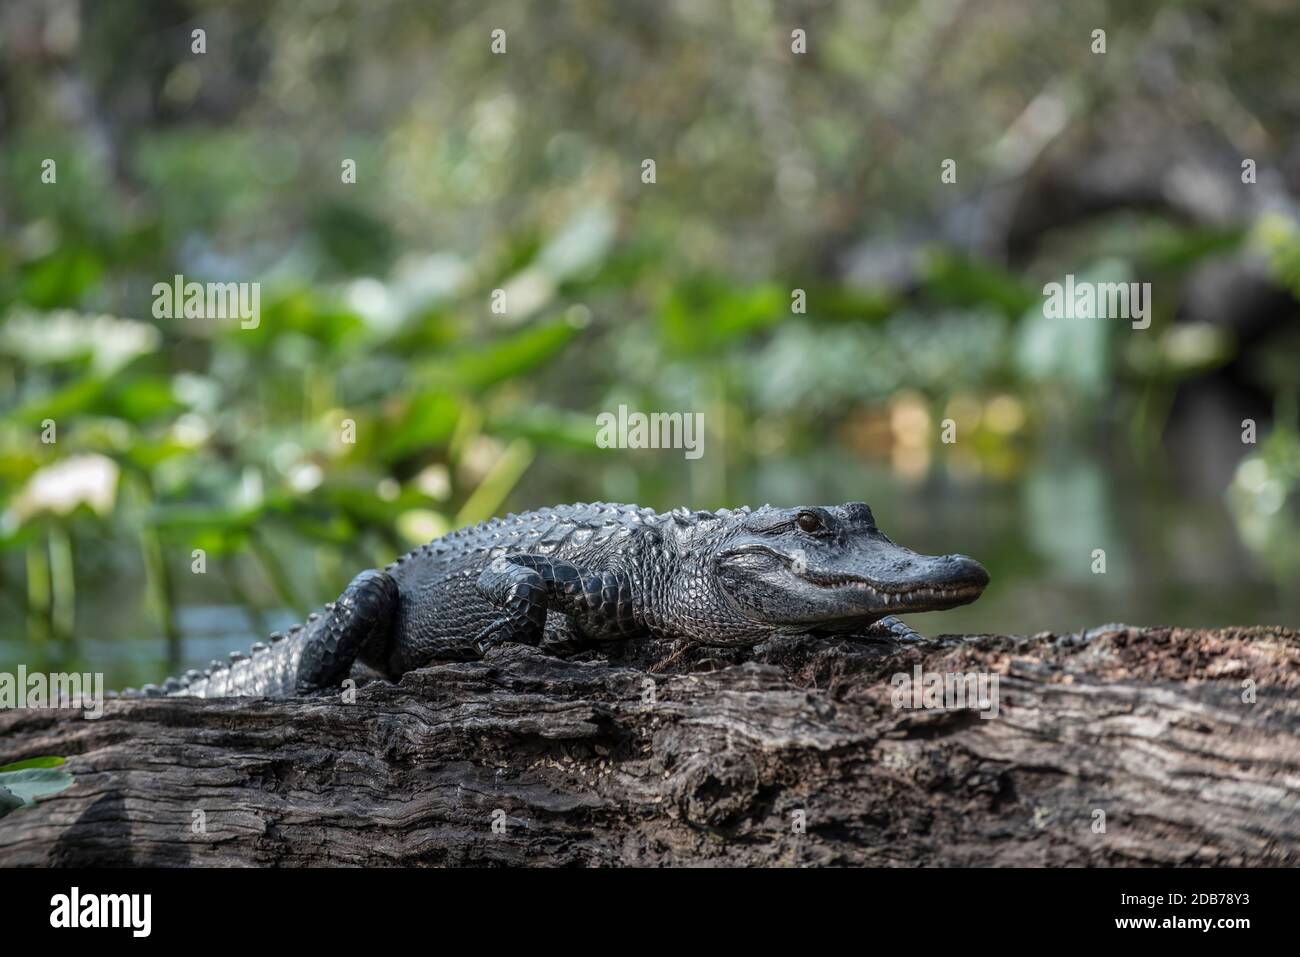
x=966, y=569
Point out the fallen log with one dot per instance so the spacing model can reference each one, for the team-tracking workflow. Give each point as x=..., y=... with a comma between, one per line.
x=1121, y=746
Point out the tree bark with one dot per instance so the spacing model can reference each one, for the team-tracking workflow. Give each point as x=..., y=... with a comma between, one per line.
x=1122, y=746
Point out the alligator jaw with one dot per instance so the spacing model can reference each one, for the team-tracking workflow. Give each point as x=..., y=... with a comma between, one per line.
x=907, y=595
x=923, y=582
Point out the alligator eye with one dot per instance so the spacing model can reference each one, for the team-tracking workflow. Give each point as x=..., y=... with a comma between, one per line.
x=810, y=522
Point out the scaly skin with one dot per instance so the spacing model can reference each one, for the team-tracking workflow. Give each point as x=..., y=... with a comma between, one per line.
x=578, y=575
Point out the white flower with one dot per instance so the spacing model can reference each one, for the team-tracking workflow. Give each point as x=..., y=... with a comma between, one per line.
x=89, y=479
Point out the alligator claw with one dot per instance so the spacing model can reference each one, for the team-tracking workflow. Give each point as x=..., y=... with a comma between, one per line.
x=487, y=639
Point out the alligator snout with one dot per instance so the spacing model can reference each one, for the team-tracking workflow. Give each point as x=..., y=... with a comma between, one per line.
x=954, y=571
x=933, y=583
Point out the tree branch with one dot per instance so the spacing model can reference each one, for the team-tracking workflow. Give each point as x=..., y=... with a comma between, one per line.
x=711, y=760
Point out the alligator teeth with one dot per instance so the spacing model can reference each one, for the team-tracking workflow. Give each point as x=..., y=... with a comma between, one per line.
x=894, y=598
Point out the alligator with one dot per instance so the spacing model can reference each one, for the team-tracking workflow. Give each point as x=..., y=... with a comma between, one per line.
x=576, y=576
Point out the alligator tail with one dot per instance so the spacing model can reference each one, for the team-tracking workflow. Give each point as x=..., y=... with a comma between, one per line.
x=269, y=670
x=309, y=657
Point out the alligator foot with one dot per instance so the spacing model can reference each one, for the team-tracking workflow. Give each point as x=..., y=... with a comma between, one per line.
x=892, y=627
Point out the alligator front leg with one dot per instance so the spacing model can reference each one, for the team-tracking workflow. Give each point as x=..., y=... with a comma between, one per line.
x=526, y=587
x=360, y=619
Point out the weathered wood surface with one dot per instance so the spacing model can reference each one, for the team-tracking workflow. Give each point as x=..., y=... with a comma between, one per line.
x=1149, y=726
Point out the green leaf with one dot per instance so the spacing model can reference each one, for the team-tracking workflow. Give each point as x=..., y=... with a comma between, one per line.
x=1177, y=248
x=141, y=398
x=352, y=240
x=833, y=302
x=61, y=278
x=302, y=314
x=706, y=314
x=428, y=420
x=549, y=427
x=49, y=761
x=80, y=397
x=962, y=281
x=477, y=368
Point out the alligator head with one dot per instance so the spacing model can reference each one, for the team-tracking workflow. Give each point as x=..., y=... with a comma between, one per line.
x=831, y=569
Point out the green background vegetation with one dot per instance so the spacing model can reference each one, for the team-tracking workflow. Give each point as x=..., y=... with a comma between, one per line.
x=521, y=172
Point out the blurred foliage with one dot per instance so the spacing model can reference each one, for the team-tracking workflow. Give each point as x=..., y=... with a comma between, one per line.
x=1259, y=494
x=382, y=400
